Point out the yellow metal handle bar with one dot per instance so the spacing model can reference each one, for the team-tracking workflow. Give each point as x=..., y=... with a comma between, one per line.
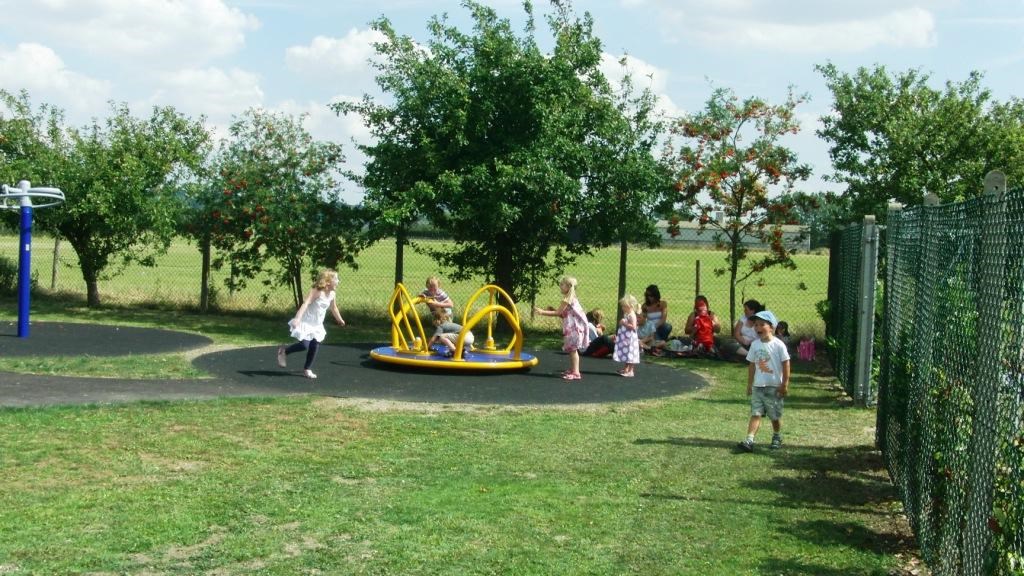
x=400, y=307
x=513, y=319
x=493, y=292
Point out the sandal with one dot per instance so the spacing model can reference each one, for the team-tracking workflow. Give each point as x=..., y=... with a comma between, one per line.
x=572, y=376
x=626, y=374
x=309, y=374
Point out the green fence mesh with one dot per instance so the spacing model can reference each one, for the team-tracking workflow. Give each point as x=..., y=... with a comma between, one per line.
x=951, y=382
x=680, y=271
x=841, y=329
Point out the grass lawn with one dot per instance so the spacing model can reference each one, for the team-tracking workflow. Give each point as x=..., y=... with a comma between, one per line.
x=312, y=485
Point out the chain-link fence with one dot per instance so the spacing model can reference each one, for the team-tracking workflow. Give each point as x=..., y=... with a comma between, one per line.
x=681, y=270
x=841, y=327
x=850, y=309
x=951, y=383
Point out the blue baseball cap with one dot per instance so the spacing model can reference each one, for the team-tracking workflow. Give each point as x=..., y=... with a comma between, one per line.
x=767, y=316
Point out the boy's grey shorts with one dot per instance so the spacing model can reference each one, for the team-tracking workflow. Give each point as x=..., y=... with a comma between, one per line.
x=765, y=401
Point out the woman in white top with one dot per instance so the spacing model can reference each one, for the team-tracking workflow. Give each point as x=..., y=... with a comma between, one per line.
x=743, y=331
x=654, y=312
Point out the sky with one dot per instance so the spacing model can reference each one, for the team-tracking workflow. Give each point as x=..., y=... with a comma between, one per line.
x=217, y=58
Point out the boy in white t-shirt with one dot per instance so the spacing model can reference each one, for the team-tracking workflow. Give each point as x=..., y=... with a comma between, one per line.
x=767, y=380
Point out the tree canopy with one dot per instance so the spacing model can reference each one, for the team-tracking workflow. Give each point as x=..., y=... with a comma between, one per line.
x=511, y=150
x=893, y=136
x=273, y=198
x=119, y=179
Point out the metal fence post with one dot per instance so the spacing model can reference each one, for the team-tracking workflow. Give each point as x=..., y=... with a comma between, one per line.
x=982, y=447
x=883, y=412
x=866, y=312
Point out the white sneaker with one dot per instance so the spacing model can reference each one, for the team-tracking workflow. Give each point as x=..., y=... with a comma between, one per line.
x=308, y=374
x=282, y=358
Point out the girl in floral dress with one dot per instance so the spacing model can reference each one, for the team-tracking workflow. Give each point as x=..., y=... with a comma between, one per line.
x=574, y=326
x=627, y=342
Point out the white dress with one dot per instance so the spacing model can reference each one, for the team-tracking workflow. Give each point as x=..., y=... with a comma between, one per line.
x=311, y=325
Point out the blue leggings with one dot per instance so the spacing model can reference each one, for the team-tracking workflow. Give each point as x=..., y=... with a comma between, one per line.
x=310, y=346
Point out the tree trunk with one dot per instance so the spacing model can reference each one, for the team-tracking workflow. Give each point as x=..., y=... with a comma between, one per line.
x=92, y=290
x=56, y=259
x=400, y=241
x=503, y=275
x=297, y=293
x=204, y=288
x=733, y=266
x=623, y=250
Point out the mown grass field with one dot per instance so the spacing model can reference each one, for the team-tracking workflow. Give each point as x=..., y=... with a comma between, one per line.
x=318, y=485
x=175, y=280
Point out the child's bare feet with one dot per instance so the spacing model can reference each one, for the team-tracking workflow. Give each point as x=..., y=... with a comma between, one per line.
x=282, y=358
x=308, y=374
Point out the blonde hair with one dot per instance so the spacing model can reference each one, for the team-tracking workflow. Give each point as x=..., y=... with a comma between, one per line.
x=596, y=316
x=325, y=278
x=629, y=300
x=441, y=315
x=571, y=294
x=433, y=279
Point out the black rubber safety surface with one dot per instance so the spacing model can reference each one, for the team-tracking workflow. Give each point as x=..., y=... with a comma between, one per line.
x=344, y=371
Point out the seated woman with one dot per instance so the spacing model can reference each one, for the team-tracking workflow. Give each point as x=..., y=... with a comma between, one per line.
x=654, y=311
x=743, y=333
x=701, y=326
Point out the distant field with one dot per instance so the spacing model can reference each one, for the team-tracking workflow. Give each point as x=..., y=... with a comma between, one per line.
x=176, y=279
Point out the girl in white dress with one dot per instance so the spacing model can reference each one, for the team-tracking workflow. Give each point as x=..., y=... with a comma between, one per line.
x=308, y=324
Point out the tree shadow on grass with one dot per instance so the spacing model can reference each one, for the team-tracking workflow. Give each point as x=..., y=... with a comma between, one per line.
x=852, y=478
x=889, y=542
x=795, y=567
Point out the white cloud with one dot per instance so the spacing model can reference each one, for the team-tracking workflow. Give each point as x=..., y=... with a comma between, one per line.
x=645, y=75
x=339, y=62
x=913, y=28
x=143, y=33
x=218, y=94
x=40, y=71
x=798, y=26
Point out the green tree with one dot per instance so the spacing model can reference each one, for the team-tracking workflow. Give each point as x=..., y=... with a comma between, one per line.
x=730, y=162
x=630, y=187
x=119, y=179
x=30, y=142
x=820, y=214
x=892, y=136
x=493, y=141
x=274, y=199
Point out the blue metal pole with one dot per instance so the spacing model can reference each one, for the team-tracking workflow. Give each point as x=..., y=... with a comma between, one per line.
x=24, y=267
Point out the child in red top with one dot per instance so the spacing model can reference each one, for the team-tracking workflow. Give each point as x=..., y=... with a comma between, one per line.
x=702, y=326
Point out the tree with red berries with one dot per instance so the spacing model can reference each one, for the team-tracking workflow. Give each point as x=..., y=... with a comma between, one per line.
x=273, y=198
x=731, y=162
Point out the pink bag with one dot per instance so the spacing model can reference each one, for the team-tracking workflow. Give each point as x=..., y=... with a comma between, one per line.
x=805, y=351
